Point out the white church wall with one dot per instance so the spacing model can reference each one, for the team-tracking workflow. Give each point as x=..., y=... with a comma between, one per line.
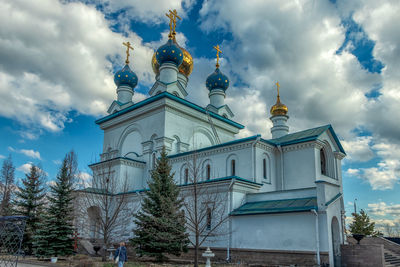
x=192, y=130
x=298, y=167
x=220, y=162
x=269, y=180
x=289, y=231
x=142, y=128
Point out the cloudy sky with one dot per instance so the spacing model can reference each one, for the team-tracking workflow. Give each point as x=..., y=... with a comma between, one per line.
x=337, y=62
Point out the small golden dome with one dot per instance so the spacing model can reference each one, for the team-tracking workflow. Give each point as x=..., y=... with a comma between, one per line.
x=279, y=108
x=185, y=68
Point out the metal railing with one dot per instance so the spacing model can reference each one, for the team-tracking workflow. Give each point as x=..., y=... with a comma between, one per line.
x=11, y=234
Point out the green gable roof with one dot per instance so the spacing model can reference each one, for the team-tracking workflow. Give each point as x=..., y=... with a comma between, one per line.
x=277, y=206
x=306, y=135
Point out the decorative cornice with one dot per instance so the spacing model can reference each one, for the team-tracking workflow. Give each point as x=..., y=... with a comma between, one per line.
x=118, y=161
x=211, y=152
x=298, y=146
x=339, y=155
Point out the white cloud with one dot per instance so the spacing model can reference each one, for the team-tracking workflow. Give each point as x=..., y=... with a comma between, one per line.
x=359, y=148
x=30, y=153
x=27, y=152
x=84, y=179
x=25, y=168
x=383, y=209
x=152, y=12
x=57, y=161
x=56, y=57
x=387, y=172
x=2, y=156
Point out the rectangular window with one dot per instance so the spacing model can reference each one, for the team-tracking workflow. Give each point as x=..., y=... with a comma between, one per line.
x=233, y=167
x=208, y=175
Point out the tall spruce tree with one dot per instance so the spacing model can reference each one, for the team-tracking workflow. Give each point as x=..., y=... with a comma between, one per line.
x=161, y=222
x=6, y=186
x=29, y=201
x=55, y=230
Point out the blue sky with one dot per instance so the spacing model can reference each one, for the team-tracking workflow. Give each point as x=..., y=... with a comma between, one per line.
x=337, y=62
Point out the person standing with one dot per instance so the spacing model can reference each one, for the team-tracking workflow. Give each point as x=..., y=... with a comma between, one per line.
x=120, y=255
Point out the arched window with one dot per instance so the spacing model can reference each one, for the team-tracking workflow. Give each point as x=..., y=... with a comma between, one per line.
x=265, y=168
x=323, y=161
x=233, y=167
x=208, y=172
x=209, y=214
x=186, y=175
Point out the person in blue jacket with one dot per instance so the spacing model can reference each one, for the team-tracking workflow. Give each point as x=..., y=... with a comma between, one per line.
x=121, y=254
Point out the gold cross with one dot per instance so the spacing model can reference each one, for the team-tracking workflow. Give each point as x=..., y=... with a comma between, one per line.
x=128, y=46
x=173, y=15
x=218, y=51
x=277, y=88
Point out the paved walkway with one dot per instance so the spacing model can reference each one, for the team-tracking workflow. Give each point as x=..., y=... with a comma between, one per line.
x=29, y=265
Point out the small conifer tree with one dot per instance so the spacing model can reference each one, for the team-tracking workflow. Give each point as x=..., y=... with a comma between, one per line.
x=361, y=224
x=160, y=225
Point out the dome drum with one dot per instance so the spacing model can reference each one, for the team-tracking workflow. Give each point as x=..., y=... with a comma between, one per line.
x=168, y=73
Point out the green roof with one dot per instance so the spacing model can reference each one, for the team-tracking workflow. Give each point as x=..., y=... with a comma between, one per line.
x=276, y=206
x=306, y=135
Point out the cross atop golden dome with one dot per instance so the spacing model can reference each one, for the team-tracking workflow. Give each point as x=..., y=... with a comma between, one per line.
x=186, y=67
x=279, y=108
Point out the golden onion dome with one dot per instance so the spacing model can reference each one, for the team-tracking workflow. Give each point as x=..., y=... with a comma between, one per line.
x=279, y=108
x=185, y=68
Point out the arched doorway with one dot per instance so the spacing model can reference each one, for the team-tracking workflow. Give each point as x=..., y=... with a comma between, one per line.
x=336, y=242
x=94, y=223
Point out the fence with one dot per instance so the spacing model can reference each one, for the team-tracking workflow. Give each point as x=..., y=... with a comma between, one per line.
x=11, y=235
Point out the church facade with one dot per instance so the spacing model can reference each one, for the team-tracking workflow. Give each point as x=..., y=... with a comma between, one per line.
x=283, y=195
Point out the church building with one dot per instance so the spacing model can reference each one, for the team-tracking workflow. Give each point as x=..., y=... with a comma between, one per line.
x=284, y=195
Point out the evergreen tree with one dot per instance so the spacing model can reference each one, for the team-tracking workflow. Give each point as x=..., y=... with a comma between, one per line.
x=161, y=222
x=6, y=186
x=361, y=224
x=54, y=237
x=30, y=199
x=41, y=241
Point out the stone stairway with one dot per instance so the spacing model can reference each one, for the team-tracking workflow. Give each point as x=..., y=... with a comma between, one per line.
x=391, y=258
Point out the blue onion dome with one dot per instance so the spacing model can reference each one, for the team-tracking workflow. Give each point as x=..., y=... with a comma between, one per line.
x=217, y=80
x=169, y=52
x=126, y=77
